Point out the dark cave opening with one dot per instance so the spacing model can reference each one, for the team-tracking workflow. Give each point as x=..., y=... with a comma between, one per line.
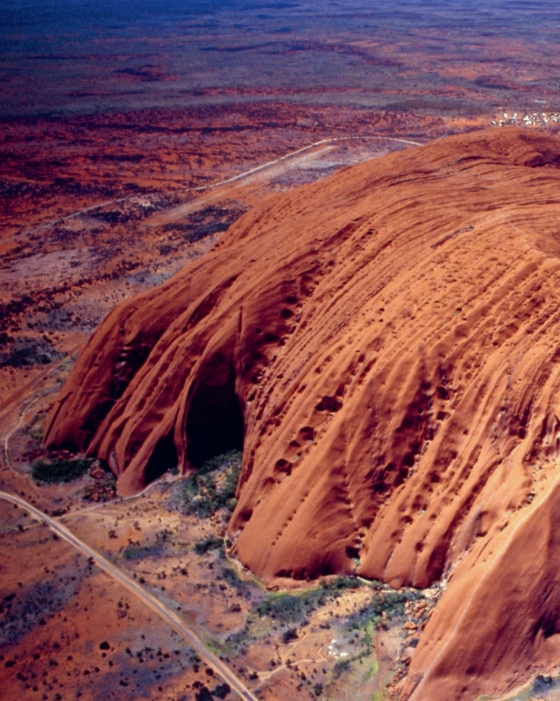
x=162, y=459
x=214, y=422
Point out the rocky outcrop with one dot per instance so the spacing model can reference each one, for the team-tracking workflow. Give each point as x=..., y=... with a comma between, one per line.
x=385, y=346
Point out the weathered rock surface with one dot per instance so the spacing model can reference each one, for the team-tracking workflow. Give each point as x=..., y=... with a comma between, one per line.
x=385, y=345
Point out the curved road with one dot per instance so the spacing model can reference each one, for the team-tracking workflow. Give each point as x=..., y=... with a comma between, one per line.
x=166, y=614
x=227, y=181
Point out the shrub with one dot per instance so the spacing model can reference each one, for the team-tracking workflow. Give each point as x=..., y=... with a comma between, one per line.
x=165, y=249
x=340, y=668
x=212, y=486
x=542, y=684
x=221, y=691
x=203, y=694
x=138, y=552
x=29, y=351
x=336, y=586
x=286, y=608
x=60, y=470
x=289, y=635
x=203, y=546
x=229, y=575
x=289, y=608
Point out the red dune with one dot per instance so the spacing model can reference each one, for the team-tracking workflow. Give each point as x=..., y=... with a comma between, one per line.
x=385, y=345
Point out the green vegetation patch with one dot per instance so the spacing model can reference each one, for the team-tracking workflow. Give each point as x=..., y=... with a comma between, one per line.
x=290, y=608
x=334, y=587
x=203, y=546
x=388, y=604
x=286, y=611
x=47, y=472
x=231, y=577
x=139, y=552
x=212, y=486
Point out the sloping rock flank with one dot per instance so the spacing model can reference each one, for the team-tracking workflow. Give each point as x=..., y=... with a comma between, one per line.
x=385, y=344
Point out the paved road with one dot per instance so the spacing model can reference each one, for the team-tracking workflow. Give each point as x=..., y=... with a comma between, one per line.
x=166, y=614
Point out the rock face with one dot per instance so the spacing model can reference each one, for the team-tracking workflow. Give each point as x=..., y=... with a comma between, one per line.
x=385, y=345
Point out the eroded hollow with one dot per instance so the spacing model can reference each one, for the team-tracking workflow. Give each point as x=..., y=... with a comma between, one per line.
x=163, y=458
x=214, y=422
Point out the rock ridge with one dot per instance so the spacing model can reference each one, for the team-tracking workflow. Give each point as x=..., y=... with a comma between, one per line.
x=384, y=346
